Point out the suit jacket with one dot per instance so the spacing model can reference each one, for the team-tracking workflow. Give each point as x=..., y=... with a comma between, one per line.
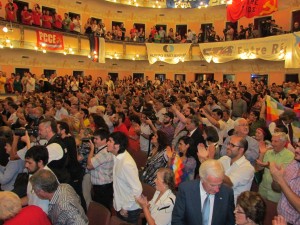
x=187, y=209
x=197, y=138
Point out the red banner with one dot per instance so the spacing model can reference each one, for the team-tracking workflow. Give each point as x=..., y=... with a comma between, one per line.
x=250, y=8
x=50, y=40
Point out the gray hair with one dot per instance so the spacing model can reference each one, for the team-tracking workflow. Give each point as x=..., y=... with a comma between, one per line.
x=44, y=180
x=282, y=136
x=238, y=121
x=212, y=168
x=10, y=205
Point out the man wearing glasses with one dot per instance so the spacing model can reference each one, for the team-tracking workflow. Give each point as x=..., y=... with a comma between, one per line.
x=239, y=172
x=241, y=129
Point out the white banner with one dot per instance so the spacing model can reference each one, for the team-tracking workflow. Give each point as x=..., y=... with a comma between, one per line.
x=169, y=53
x=101, y=50
x=276, y=48
x=292, y=59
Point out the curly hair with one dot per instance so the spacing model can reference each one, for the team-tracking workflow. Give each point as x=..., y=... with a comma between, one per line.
x=253, y=205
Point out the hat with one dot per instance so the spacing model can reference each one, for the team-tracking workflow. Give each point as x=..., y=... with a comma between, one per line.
x=169, y=114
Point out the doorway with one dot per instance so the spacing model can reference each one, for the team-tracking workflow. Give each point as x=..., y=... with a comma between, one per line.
x=21, y=71
x=181, y=29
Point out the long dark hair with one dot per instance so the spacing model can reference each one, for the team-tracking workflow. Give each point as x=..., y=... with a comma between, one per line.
x=99, y=122
x=192, y=148
x=162, y=140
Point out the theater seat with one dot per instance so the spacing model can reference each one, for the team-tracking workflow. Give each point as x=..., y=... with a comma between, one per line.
x=139, y=157
x=114, y=220
x=98, y=214
x=271, y=211
x=148, y=191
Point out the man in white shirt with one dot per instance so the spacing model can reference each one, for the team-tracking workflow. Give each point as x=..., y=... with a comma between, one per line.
x=60, y=110
x=93, y=103
x=30, y=83
x=228, y=121
x=36, y=158
x=126, y=183
x=160, y=110
x=145, y=143
x=239, y=172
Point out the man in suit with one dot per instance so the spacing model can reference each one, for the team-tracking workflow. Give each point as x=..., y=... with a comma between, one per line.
x=207, y=202
x=192, y=126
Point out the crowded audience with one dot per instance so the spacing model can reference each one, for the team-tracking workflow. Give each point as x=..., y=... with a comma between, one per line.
x=84, y=138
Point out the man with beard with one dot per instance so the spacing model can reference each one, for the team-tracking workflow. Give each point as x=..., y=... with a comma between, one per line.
x=211, y=103
x=118, y=122
x=36, y=158
x=167, y=126
x=288, y=181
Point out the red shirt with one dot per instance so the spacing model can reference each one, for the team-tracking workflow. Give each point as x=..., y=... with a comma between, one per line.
x=153, y=31
x=121, y=128
x=133, y=32
x=15, y=6
x=26, y=17
x=47, y=21
x=30, y=215
x=58, y=22
x=36, y=16
x=10, y=16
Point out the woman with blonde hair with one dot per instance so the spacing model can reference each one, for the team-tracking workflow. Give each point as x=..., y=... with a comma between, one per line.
x=12, y=213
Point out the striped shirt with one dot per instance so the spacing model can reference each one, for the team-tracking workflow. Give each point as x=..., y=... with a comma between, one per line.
x=65, y=207
x=103, y=163
x=292, y=177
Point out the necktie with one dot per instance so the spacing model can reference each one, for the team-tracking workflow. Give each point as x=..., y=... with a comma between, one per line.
x=290, y=130
x=206, y=210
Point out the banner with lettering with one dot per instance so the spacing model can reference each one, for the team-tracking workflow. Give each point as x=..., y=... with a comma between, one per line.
x=183, y=4
x=169, y=53
x=250, y=8
x=292, y=59
x=50, y=40
x=276, y=48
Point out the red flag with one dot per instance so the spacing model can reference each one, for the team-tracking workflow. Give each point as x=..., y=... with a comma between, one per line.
x=250, y=8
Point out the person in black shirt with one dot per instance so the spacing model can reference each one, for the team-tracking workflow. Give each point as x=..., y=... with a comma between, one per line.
x=73, y=165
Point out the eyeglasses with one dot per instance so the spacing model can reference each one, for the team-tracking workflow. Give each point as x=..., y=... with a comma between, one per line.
x=230, y=144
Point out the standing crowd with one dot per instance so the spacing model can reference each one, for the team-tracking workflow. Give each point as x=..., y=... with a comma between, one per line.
x=204, y=148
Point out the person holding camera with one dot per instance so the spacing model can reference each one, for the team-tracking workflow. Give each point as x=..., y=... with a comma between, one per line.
x=167, y=127
x=100, y=163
